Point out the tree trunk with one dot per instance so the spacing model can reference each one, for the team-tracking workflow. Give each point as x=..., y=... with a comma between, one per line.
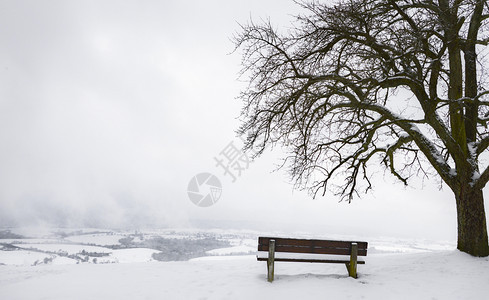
x=472, y=230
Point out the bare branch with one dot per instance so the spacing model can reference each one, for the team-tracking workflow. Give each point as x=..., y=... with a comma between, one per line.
x=325, y=90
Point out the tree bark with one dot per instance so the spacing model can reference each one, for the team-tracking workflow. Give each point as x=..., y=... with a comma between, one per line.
x=472, y=230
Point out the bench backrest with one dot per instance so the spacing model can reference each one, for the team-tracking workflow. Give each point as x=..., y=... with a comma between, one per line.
x=311, y=246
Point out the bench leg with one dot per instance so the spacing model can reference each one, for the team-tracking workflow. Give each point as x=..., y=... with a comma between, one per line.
x=271, y=260
x=352, y=266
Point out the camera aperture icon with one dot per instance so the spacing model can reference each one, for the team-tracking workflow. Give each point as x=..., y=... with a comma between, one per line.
x=204, y=189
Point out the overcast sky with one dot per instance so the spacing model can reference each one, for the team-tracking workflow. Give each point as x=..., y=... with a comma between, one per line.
x=109, y=108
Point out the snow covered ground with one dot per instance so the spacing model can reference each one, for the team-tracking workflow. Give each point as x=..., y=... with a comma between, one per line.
x=395, y=269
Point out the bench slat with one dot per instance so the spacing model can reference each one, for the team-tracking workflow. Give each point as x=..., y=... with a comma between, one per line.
x=307, y=242
x=309, y=249
x=311, y=260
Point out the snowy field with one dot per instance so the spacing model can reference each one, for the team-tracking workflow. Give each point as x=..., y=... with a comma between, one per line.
x=98, y=264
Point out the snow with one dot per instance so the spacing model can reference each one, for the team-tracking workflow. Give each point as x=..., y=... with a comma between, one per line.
x=133, y=255
x=97, y=239
x=70, y=249
x=60, y=260
x=434, y=275
x=394, y=269
x=21, y=258
x=232, y=250
x=32, y=253
x=29, y=241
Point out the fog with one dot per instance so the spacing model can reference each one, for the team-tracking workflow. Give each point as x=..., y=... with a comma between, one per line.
x=109, y=108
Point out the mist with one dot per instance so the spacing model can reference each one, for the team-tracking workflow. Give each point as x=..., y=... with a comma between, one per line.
x=109, y=108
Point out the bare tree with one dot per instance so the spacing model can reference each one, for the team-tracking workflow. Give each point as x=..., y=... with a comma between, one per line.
x=363, y=81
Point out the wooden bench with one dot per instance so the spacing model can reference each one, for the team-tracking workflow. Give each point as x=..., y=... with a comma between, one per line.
x=304, y=246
